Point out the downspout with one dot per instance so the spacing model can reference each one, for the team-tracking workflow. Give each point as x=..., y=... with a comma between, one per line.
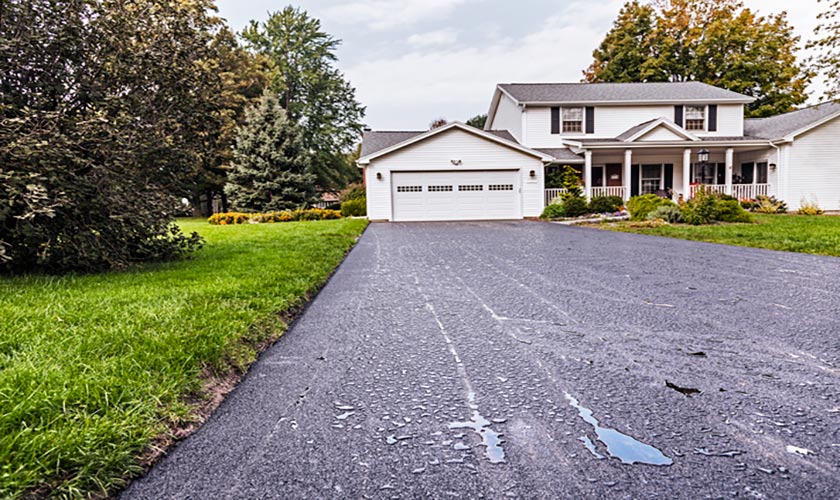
x=778, y=170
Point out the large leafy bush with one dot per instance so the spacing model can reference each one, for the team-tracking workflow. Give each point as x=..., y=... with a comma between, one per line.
x=707, y=207
x=640, y=206
x=106, y=110
x=605, y=204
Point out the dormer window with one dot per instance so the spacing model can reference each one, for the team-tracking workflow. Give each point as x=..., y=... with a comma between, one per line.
x=573, y=120
x=695, y=117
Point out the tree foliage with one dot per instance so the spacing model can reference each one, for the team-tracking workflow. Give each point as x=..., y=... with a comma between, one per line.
x=718, y=42
x=272, y=169
x=437, y=123
x=827, y=62
x=106, y=107
x=314, y=94
x=477, y=121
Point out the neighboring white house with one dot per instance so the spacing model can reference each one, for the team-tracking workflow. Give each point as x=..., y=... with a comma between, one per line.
x=626, y=138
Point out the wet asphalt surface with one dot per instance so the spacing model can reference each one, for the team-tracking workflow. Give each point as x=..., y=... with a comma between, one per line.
x=432, y=340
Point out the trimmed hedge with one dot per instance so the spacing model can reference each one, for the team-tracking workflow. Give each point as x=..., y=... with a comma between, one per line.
x=308, y=214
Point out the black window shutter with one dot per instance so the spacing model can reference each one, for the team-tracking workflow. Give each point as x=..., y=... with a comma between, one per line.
x=555, y=120
x=713, y=118
x=634, y=180
x=669, y=176
x=590, y=120
x=678, y=115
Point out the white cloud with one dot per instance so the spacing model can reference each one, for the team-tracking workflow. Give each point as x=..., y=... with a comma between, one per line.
x=383, y=15
x=432, y=38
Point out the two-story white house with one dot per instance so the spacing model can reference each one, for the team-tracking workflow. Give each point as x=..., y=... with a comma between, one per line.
x=625, y=138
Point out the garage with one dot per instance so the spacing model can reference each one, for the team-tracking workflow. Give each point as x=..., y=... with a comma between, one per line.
x=455, y=172
x=442, y=196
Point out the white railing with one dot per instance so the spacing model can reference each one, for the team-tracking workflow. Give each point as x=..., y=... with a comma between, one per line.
x=608, y=191
x=740, y=191
x=710, y=188
x=750, y=191
x=550, y=194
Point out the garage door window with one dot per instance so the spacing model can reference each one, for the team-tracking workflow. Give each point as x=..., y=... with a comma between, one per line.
x=501, y=187
x=471, y=187
x=409, y=189
x=439, y=189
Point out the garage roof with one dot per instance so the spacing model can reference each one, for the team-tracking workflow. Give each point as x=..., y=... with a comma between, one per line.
x=795, y=122
x=380, y=143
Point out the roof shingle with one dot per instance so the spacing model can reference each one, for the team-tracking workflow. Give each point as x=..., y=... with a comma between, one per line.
x=577, y=93
x=778, y=126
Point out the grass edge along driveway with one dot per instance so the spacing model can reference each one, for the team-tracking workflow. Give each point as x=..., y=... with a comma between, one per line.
x=97, y=370
x=818, y=235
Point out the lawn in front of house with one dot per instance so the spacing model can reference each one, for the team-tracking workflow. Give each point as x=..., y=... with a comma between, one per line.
x=93, y=369
x=792, y=233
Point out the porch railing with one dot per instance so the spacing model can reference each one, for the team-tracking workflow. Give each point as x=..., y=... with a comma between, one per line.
x=750, y=191
x=608, y=191
x=550, y=194
x=740, y=191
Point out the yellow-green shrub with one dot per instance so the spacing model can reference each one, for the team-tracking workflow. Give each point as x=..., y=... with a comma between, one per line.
x=308, y=214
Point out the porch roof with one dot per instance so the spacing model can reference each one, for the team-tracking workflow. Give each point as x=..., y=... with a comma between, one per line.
x=562, y=155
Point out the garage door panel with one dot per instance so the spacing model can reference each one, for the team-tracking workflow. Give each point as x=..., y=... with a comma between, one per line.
x=478, y=195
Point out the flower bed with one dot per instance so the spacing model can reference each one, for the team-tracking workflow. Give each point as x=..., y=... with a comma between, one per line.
x=231, y=218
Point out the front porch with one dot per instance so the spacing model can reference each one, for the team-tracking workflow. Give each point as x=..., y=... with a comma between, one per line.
x=674, y=173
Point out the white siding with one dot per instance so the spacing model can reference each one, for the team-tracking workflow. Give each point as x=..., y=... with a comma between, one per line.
x=661, y=133
x=436, y=154
x=814, y=167
x=730, y=122
x=612, y=121
x=508, y=117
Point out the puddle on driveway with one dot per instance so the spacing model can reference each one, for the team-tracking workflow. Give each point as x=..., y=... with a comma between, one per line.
x=620, y=446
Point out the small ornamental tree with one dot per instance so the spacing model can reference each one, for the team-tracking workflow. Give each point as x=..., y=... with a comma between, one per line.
x=271, y=168
x=571, y=183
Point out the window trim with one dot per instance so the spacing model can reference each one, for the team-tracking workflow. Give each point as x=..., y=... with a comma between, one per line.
x=581, y=122
x=705, y=108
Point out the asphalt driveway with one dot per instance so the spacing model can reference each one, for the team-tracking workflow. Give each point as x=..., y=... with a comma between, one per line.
x=535, y=360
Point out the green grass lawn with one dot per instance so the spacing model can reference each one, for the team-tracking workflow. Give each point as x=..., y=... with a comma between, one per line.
x=94, y=369
x=792, y=233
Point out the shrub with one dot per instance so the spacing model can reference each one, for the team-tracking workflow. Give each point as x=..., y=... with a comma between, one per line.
x=575, y=207
x=352, y=192
x=605, y=204
x=730, y=211
x=553, y=211
x=809, y=208
x=640, y=206
x=768, y=205
x=667, y=213
x=570, y=181
x=354, y=207
x=308, y=214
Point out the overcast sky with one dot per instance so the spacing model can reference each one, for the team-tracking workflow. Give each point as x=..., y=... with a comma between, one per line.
x=414, y=60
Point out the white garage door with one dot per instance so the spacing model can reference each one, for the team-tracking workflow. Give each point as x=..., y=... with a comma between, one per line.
x=480, y=195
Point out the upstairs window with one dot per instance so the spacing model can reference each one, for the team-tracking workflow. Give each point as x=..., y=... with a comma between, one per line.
x=695, y=117
x=573, y=120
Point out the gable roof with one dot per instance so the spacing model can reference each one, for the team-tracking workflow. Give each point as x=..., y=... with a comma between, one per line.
x=791, y=124
x=562, y=155
x=606, y=93
x=634, y=133
x=412, y=137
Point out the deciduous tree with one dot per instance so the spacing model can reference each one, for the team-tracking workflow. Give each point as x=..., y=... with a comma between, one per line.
x=718, y=42
x=827, y=62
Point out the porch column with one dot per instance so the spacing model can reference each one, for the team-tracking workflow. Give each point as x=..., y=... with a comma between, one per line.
x=687, y=174
x=627, y=173
x=730, y=162
x=587, y=175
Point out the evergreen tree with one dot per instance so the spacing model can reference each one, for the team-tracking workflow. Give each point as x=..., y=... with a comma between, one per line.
x=718, y=42
x=827, y=62
x=312, y=90
x=477, y=121
x=272, y=170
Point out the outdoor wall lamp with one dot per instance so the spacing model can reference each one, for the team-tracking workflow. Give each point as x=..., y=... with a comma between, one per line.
x=773, y=167
x=533, y=173
x=379, y=176
x=456, y=162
